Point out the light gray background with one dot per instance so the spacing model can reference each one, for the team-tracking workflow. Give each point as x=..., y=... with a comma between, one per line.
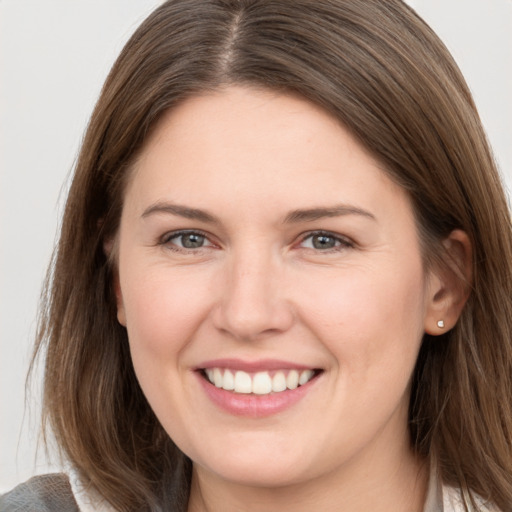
x=54, y=56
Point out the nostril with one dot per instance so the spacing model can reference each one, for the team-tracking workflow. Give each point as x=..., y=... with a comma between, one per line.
x=251, y=321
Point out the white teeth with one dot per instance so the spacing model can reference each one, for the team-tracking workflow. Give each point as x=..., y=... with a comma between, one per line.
x=292, y=380
x=278, y=382
x=229, y=381
x=305, y=376
x=217, y=377
x=243, y=382
x=260, y=383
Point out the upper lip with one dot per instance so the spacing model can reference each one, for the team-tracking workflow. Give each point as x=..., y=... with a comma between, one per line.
x=260, y=365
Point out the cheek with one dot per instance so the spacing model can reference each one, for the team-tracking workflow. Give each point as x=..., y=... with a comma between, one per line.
x=163, y=309
x=366, y=317
x=372, y=325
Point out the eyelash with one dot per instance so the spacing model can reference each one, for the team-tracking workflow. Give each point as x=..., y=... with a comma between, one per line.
x=169, y=237
x=342, y=242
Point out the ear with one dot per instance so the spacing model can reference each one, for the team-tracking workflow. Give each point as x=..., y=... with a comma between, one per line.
x=121, y=314
x=110, y=250
x=449, y=285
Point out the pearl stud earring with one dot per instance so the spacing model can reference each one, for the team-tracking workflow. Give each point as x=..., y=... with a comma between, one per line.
x=440, y=324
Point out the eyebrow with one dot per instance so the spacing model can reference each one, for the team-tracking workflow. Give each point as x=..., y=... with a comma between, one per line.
x=180, y=211
x=295, y=216
x=313, y=214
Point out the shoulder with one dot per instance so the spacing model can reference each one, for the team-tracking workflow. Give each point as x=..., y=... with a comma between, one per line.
x=45, y=493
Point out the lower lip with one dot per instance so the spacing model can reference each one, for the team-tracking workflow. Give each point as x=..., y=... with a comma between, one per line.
x=255, y=406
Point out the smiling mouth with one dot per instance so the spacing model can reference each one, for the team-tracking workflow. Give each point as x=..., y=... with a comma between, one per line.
x=259, y=383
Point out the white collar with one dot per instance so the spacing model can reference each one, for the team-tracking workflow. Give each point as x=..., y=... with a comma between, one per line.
x=88, y=500
x=445, y=498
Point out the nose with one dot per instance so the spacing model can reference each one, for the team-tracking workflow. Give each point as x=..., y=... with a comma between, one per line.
x=253, y=302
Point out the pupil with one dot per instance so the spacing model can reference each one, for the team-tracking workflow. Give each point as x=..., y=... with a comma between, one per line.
x=323, y=242
x=192, y=241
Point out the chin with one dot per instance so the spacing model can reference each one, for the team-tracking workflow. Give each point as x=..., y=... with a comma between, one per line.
x=269, y=474
x=269, y=466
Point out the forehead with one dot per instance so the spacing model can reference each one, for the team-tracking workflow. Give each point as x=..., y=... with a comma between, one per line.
x=245, y=148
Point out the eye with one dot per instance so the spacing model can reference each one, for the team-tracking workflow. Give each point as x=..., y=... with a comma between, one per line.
x=324, y=241
x=188, y=240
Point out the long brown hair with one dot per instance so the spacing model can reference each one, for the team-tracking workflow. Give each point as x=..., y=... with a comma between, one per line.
x=378, y=68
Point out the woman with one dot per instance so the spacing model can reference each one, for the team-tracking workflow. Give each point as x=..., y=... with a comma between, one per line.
x=283, y=276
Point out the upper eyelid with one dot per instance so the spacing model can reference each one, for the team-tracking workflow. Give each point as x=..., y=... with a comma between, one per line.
x=337, y=236
x=168, y=237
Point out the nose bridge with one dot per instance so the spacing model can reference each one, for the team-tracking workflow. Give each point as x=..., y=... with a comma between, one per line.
x=253, y=301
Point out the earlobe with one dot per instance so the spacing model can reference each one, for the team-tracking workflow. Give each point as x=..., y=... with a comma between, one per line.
x=121, y=315
x=450, y=284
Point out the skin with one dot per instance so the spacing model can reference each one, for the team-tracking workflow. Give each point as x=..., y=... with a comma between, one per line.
x=258, y=288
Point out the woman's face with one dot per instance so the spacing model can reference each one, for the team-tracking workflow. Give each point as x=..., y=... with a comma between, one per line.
x=262, y=249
